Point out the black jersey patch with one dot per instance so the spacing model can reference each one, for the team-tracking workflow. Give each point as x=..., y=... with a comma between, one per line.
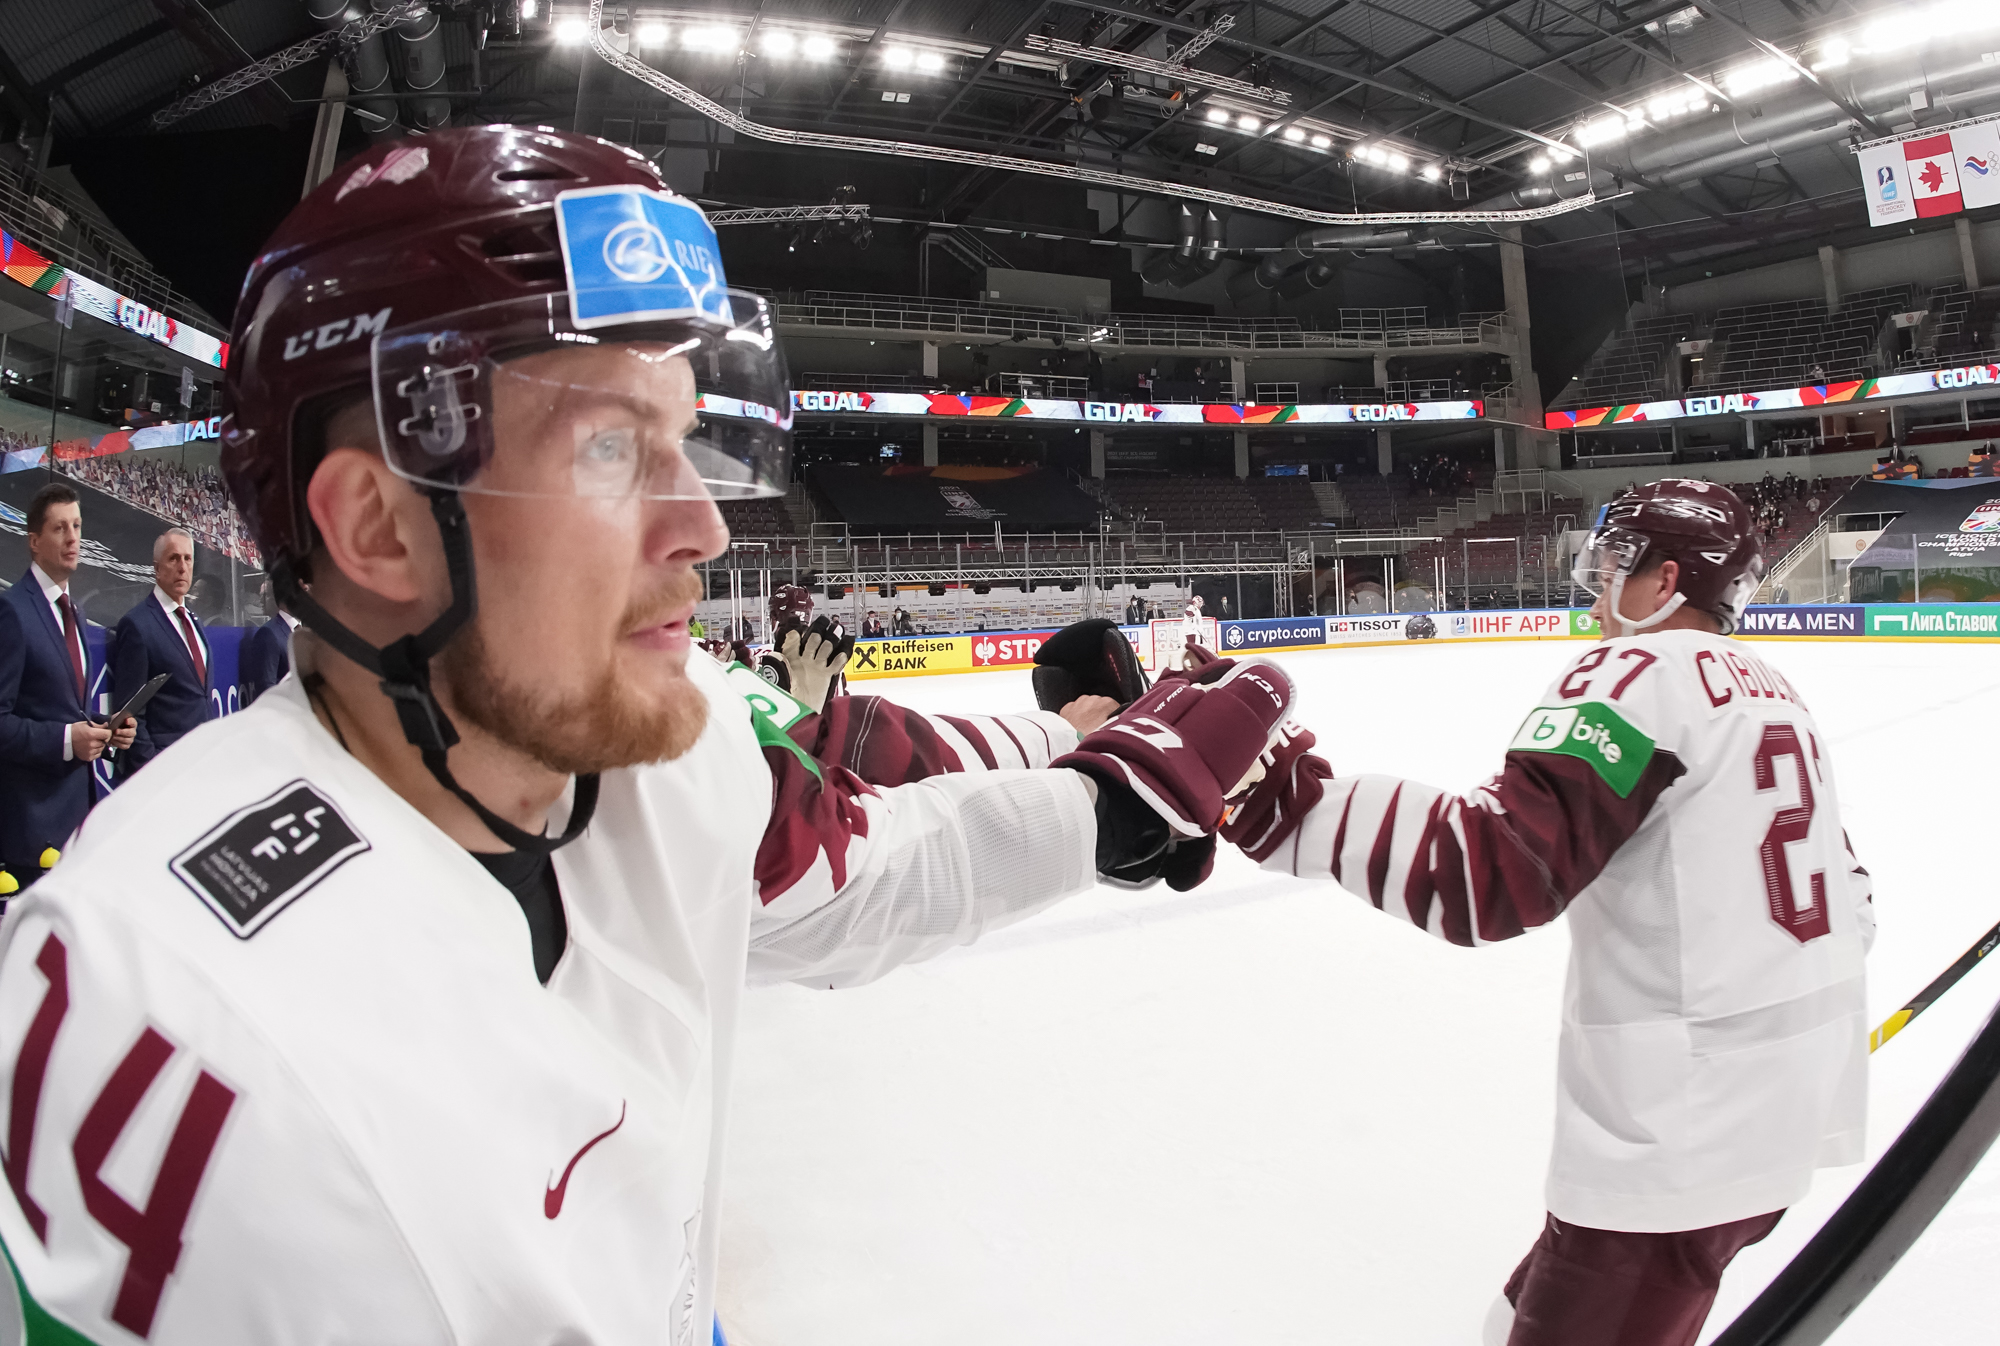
x=255, y=862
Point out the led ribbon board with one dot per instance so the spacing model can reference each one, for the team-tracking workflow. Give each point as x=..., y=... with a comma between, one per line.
x=1067, y=411
x=22, y=263
x=1808, y=398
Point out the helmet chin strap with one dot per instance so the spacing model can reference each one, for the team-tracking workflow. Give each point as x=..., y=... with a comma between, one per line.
x=404, y=667
x=1615, y=606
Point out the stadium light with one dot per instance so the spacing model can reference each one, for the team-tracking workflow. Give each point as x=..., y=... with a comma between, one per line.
x=570, y=31
x=1600, y=129
x=1430, y=173
x=777, y=42
x=1250, y=124
x=1539, y=164
x=818, y=47
x=1833, y=53
x=1398, y=163
x=709, y=39
x=1322, y=142
x=1295, y=135
x=899, y=58
x=650, y=34
x=1747, y=79
x=1217, y=117
x=527, y=9
x=930, y=62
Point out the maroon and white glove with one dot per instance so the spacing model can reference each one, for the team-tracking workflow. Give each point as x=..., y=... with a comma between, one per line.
x=1165, y=765
x=1290, y=782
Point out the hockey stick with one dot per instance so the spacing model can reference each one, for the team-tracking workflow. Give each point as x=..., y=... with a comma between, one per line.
x=1922, y=1001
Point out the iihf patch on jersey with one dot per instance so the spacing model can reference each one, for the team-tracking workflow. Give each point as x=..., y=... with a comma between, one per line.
x=255, y=862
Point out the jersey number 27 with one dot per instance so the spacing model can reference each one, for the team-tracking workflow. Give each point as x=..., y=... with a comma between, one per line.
x=1787, y=826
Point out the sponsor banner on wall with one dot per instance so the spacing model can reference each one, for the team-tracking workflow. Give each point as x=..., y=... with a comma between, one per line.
x=1273, y=634
x=166, y=436
x=1006, y=649
x=819, y=402
x=1809, y=397
x=1836, y=620
x=1935, y=620
x=903, y=656
x=1533, y=624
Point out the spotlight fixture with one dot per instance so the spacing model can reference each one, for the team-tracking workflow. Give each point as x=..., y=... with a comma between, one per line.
x=899, y=58
x=1430, y=172
x=1539, y=164
x=1397, y=162
x=777, y=42
x=527, y=9
x=1295, y=135
x=1217, y=117
x=573, y=30
x=1250, y=124
x=1322, y=142
x=930, y=62
x=709, y=39
x=650, y=34
x=818, y=47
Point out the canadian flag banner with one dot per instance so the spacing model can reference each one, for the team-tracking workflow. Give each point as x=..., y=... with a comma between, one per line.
x=1933, y=175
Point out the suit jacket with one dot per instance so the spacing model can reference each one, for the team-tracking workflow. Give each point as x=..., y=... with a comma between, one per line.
x=42, y=797
x=266, y=658
x=149, y=644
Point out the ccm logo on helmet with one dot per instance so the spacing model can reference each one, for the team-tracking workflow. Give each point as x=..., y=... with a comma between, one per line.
x=328, y=335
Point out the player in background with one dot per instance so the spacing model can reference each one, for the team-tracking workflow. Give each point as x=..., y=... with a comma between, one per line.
x=1672, y=793
x=807, y=654
x=401, y=1007
x=1191, y=632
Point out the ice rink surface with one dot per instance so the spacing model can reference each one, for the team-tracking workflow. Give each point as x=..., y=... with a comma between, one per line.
x=1262, y=1112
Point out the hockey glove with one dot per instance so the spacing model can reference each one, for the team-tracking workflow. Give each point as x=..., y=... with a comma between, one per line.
x=1088, y=658
x=813, y=658
x=1165, y=765
x=1287, y=782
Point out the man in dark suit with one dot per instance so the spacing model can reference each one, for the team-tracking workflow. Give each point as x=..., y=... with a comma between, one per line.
x=47, y=741
x=266, y=655
x=161, y=635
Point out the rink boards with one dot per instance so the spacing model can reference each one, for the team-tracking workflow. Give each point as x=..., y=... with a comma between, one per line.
x=990, y=650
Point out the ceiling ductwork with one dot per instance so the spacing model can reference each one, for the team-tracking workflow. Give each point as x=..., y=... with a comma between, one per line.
x=423, y=67
x=1799, y=119
x=1197, y=251
x=371, y=92
x=1302, y=258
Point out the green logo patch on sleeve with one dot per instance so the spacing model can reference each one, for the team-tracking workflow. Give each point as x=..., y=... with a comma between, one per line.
x=772, y=711
x=1593, y=732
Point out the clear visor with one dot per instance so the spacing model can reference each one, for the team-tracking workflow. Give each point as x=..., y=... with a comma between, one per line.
x=512, y=399
x=1608, y=553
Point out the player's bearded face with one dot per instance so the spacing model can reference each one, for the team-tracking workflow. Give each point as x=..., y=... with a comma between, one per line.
x=578, y=655
x=600, y=713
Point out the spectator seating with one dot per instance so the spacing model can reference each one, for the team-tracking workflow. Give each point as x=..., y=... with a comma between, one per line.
x=1189, y=504
x=763, y=517
x=1952, y=432
x=1632, y=364
x=1288, y=504
x=197, y=501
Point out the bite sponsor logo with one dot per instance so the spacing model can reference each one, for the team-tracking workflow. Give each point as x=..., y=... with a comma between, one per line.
x=1593, y=733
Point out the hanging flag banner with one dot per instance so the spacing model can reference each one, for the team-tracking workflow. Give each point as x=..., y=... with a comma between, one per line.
x=1933, y=175
x=1976, y=154
x=1884, y=184
x=1938, y=171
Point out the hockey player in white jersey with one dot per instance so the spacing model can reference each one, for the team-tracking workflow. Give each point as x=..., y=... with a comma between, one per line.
x=400, y=1007
x=1191, y=629
x=1672, y=793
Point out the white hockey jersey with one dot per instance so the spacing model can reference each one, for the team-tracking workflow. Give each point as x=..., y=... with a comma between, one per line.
x=278, y=1069
x=1672, y=793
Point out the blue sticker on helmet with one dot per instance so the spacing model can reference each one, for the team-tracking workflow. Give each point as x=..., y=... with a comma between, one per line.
x=636, y=255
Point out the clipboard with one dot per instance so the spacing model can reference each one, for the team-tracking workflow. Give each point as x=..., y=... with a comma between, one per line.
x=137, y=703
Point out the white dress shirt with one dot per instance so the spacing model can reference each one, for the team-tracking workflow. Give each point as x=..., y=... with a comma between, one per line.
x=171, y=608
x=51, y=592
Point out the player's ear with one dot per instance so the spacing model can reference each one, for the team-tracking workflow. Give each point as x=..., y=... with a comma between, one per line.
x=367, y=517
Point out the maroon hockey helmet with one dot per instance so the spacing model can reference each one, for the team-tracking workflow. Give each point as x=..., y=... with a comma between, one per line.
x=1700, y=526
x=447, y=247
x=791, y=607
